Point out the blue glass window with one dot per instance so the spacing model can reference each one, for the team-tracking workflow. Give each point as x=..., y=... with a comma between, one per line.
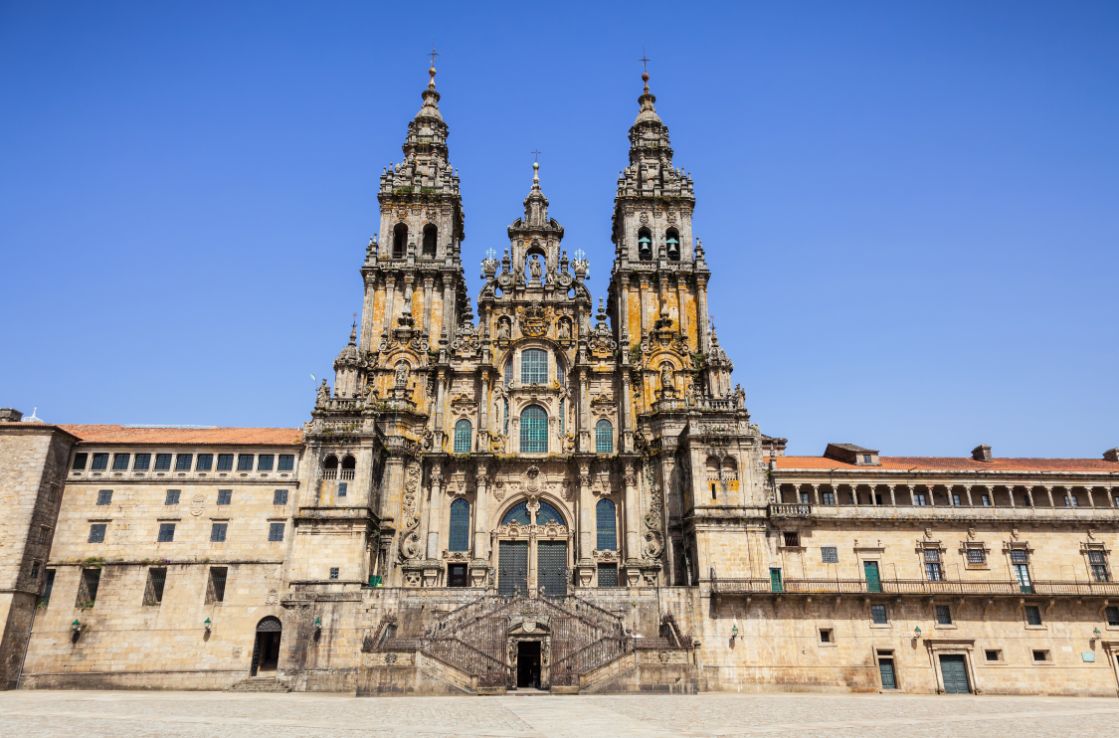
x=462, y=436
x=534, y=430
x=548, y=514
x=516, y=514
x=460, y=525
x=603, y=437
x=607, y=525
x=534, y=366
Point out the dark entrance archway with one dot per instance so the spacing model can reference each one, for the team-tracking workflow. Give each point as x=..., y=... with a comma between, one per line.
x=528, y=664
x=266, y=647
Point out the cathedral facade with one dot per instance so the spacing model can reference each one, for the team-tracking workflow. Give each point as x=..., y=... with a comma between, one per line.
x=538, y=491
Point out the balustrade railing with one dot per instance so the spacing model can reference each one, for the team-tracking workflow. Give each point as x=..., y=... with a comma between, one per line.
x=914, y=587
x=789, y=510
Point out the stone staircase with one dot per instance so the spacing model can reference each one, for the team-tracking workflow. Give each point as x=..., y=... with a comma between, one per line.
x=261, y=684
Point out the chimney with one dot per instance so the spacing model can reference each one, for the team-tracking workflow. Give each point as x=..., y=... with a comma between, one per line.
x=982, y=452
x=1112, y=454
x=10, y=415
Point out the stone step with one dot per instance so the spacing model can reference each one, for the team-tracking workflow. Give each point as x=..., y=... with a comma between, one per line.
x=261, y=684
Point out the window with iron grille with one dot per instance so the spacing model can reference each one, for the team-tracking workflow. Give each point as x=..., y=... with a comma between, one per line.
x=80, y=462
x=183, y=462
x=459, y=536
x=279, y=497
x=603, y=437
x=534, y=430
x=879, y=615
x=790, y=539
x=943, y=614
x=975, y=555
x=1110, y=613
x=104, y=497
x=275, y=532
x=244, y=462
x=142, y=462
x=934, y=571
x=607, y=575
x=534, y=366
x=829, y=554
x=153, y=592
x=225, y=462
x=163, y=462
x=120, y=462
x=286, y=462
x=97, y=532
x=215, y=587
x=462, y=436
x=606, y=525
x=205, y=462
x=1097, y=561
x=100, y=462
x=1019, y=556
x=172, y=497
x=225, y=496
x=218, y=532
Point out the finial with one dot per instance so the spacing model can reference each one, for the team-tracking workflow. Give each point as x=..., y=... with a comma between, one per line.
x=431, y=69
x=536, y=173
x=353, y=331
x=645, y=70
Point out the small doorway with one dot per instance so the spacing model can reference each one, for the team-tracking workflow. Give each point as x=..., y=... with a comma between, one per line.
x=528, y=664
x=775, y=583
x=266, y=647
x=873, y=580
x=456, y=575
x=886, y=670
x=953, y=669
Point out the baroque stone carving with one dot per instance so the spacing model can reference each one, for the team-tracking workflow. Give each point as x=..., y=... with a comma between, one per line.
x=410, y=547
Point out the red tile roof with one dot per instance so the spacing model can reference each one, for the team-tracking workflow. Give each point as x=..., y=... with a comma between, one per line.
x=951, y=464
x=181, y=436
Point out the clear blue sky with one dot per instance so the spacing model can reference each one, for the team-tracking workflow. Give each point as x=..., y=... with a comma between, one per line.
x=911, y=210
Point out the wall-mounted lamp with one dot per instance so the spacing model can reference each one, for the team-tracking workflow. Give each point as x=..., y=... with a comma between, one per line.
x=208, y=624
x=1096, y=633
x=734, y=631
x=75, y=630
x=318, y=624
x=917, y=633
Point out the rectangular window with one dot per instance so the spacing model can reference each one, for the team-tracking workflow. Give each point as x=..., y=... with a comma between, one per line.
x=225, y=462
x=120, y=462
x=1033, y=615
x=275, y=531
x=1019, y=556
x=992, y=654
x=456, y=575
x=97, y=532
x=791, y=539
x=48, y=587
x=166, y=533
x=286, y=462
x=1110, y=613
x=244, y=462
x=44, y=534
x=215, y=587
x=104, y=497
x=534, y=366
x=183, y=462
x=1097, y=561
x=343, y=488
x=919, y=499
x=225, y=496
x=826, y=635
x=985, y=500
x=827, y=497
x=934, y=572
x=100, y=462
x=87, y=588
x=264, y=462
x=976, y=555
x=279, y=497
x=163, y=462
x=35, y=567
x=334, y=572
x=607, y=575
x=943, y=614
x=143, y=461
x=829, y=554
x=1040, y=655
x=205, y=462
x=153, y=592
x=80, y=462
x=172, y=497
x=879, y=615
x=218, y=531
x=956, y=502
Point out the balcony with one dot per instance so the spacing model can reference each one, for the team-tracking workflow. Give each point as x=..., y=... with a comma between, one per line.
x=913, y=587
x=790, y=510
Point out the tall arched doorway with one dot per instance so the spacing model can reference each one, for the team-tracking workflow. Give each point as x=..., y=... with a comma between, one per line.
x=533, y=550
x=266, y=647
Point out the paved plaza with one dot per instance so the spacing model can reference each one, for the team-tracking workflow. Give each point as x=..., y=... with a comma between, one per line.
x=74, y=713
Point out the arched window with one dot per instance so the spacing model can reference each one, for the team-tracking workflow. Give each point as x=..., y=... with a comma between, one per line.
x=603, y=437
x=462, y=437
x=330, y=467
x=460, y=526
x=548, y=514
x=606, y=523
x=430, y=235
x=672, y=244
x=399, y=240
x=534, y=366
x=645, y=244
x=534, y=430
x=517, y=514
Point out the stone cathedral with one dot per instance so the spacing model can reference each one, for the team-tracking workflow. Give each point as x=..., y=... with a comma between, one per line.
x=543, y=491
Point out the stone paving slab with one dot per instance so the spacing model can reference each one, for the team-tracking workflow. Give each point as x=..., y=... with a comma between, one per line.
x=125, y=714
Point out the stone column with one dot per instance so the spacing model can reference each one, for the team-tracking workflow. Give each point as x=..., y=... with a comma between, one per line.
x=586, y=519
x=632, y=514
x=390, y=303
x=481, y=513
x=429, y=282
x=434, y=511
x=701, y=314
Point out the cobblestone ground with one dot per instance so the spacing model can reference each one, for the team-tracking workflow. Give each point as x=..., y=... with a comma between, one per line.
x=127, y=714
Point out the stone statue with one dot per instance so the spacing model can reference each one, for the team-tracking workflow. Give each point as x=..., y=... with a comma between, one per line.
x=323, y=396
x=565, y=329
x=401, y=375
x=668, y=383
x=534, y=268
x=503, y=328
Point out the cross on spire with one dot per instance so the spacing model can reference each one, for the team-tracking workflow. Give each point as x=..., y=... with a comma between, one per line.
x=644, y=61
x=434, y=54
x=535, y=155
